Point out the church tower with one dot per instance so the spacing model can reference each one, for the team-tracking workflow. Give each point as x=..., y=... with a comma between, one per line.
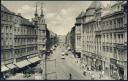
x=42, y=20
x=35, y=19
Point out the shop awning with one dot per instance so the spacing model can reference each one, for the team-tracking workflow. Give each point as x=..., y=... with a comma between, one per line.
x=11, y=66
x=23, y=63
x=4, y=68
x=34, y=59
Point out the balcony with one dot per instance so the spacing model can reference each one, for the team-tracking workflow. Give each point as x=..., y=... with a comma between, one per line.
x=98, y=33
x=120, y=46
x=108, y=44
x=6, y=47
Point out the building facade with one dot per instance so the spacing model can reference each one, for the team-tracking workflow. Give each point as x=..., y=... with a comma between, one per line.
x=70, y=40
x=7, y=37
x=100, y=37
x=23, y=42
x=78, y=36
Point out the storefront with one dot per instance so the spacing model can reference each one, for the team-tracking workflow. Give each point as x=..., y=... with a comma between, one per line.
x=4, y=71
x=121, y=71
x=98, y=64
x=78, y=54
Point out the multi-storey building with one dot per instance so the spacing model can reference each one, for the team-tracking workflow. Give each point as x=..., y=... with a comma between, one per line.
x=107, y=34
x=19, y=37
x=41, y=26
x=23, y=42
x=103, y=34
x=53, y=40
x=125, y=39
x=78, y=29
x=67, y=40
x=7, y=36
x=113, y=40
x=70, y=40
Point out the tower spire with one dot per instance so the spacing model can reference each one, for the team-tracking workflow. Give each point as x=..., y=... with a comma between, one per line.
x=42, y=14
x=36, y=14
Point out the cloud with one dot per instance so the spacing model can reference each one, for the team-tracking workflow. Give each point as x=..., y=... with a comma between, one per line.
x=105, y=3
x=60, y=15
x=25, y=9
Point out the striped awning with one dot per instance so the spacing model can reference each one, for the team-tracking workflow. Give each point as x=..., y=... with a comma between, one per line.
x=11, y=66
x=34, y=59
x=4, y=68
x=22, y=64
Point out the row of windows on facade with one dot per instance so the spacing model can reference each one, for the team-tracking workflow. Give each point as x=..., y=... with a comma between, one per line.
x=110, y=50
x=6, y=17
x=6, y=28
x=18, y=53
x=23, y=50
x=25, y=40
x=7, y=35
x=9, y=41
x=107, y=36
x=20, y=50
x=115, y=23
x=12, y=18
x=20, y=30
x=105, y=47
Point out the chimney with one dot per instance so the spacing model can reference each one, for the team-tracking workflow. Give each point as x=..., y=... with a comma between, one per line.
x=19, y=14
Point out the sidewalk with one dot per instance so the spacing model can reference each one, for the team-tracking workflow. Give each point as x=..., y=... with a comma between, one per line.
x=73, y=60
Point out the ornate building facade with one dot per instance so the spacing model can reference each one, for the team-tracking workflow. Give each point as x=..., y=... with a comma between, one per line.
x=23, y=42
x=100, y=37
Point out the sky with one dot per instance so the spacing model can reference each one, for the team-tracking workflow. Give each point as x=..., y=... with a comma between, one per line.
x=59, y=15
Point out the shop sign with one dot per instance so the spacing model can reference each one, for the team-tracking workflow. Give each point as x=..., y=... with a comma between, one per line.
x=113, y=61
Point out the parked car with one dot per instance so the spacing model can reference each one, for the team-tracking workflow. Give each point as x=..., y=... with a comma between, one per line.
x=66, y=53
x=62, y=56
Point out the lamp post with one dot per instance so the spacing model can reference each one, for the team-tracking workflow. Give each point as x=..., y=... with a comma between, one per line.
x=46, y=65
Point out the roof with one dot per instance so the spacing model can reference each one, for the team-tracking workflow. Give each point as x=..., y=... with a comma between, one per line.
x=26, y=22
x=124, y=3
x=115, y=3
x=94, y=4
x=80, y=15
x=3, y=8
x=91, y=9
x=90, y=12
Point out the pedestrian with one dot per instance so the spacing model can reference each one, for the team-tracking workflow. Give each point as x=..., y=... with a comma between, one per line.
x=102, y=73
x=70, y=76
x=100, y=76
x=84, y=73
x=92, y=76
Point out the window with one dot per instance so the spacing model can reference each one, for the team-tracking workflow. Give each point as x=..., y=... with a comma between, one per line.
x=115, y=23
x=118, y=35
x=121, y=35
x=110, y=49
x=121, y=22
x=107, y=35
x=110, y=35
x=110, y=22
x=118, y=21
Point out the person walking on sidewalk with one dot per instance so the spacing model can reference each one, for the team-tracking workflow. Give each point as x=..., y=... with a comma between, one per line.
x=84, y=73
x=70, y=76
x=100, y=76
x=102, y=73
x=92, y=76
